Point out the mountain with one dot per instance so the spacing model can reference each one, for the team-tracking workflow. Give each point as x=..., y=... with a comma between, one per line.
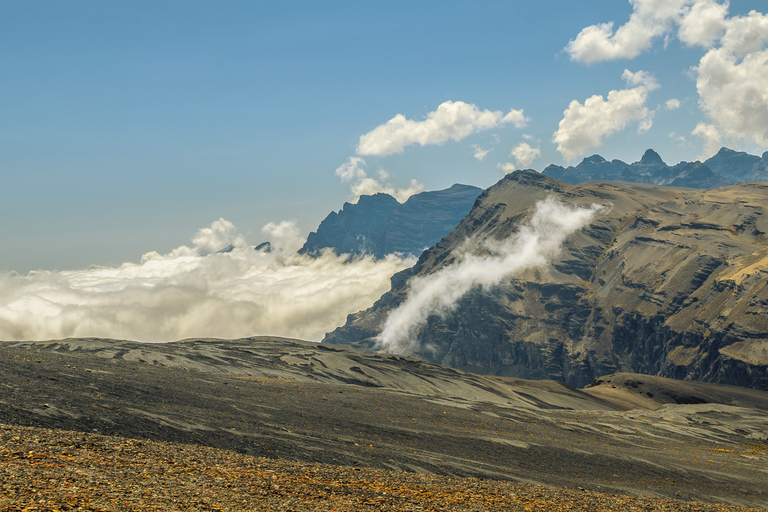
x=379, y=225
x=650, y=169
x=738, y=166
x=663, y=281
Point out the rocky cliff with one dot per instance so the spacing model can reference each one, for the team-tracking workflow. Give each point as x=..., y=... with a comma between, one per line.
x=379, y=225
x=663, y=281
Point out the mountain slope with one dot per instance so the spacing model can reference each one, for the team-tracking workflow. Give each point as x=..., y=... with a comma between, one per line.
x=301, y=401
x=379, y=225
x=663, y=281
x=738, y=166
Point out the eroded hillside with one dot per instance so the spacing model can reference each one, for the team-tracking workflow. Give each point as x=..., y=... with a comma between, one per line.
x=663, y=281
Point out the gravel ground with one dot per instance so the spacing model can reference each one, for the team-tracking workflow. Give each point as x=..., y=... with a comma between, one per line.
x=47, y=469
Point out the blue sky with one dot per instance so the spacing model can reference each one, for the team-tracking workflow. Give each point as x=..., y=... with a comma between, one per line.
x=125, y=127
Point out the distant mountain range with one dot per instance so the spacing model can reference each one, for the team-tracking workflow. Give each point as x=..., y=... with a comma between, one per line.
x=665, y=281
x=727, y=167
x=378, y=224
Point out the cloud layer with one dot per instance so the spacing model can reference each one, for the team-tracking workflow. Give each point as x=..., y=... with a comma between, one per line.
x=198, y=292
x=453, y=120
x=584, y=126
x=536, y=243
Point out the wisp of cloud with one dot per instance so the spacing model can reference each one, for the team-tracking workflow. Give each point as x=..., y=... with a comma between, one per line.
x=220, y=287
x=536, y=243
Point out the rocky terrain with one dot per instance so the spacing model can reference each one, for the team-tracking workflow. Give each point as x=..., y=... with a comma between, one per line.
x=379, y=225
x=663, y=281
x=289, y=400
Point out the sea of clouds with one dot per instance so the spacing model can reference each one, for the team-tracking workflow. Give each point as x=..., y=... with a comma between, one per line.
x=218, y=287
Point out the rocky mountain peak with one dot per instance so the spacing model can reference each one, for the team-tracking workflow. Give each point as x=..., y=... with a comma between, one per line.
x=379, y=225
x=650, y=157
x=594, y=160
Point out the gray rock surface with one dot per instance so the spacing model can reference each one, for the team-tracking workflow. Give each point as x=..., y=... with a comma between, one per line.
x=378, y=225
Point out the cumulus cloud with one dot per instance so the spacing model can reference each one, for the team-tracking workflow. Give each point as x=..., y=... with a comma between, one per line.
x=480, y=153
x=731, y=82
x=507, y=167
x=453, y=120
x=711, y=136
x=363, y=185
x=649, y=20
x=536, y=243
x=699, y=22
x=730, y=77
x=525, y=154
x=672, y=104
x=702, y=22
x=197, y=292
x=584, y=126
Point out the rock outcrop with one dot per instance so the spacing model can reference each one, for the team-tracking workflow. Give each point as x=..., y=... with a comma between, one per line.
x=664, y=281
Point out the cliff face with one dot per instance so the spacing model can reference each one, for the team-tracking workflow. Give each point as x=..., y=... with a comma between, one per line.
x=378, y=225
x=663, y=281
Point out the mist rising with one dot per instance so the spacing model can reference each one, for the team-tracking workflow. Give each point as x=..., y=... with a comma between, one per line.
x=483, y=265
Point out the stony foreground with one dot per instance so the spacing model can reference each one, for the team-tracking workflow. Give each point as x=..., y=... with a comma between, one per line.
x=46, y=469
x=244, y=410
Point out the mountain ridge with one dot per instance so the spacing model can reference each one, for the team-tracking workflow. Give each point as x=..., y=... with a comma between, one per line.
x=379, y=225
x=643, y=288
x=727, y=167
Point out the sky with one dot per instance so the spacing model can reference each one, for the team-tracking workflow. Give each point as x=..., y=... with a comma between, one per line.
x=134, y=128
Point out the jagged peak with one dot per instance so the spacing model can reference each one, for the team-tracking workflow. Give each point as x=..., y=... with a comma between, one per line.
x=594, y=159
x=726, y=151
x=526, y=175
x=651, y=157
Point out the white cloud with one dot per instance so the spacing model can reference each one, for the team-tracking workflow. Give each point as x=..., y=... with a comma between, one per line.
x=186, y=294
x=731, y=82
x=702, y=22
x=537, y=243
x=451, y=121
x=679, y=138
x=284, y=236
x=699, y=22
x=745, y=34
x=525, y=154
x=672, y=104
x=362, y=184
x=649, y=20
x=220, y=235
x=507, y=167
x=352, y=170
x=730, y=77
x=585, y=125
x=480, y=153
x=712, y=140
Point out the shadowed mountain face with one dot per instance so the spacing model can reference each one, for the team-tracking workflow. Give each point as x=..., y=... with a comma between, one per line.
x=725, y=168
x=379, y=225
x=663, y=281
x=738, y=166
